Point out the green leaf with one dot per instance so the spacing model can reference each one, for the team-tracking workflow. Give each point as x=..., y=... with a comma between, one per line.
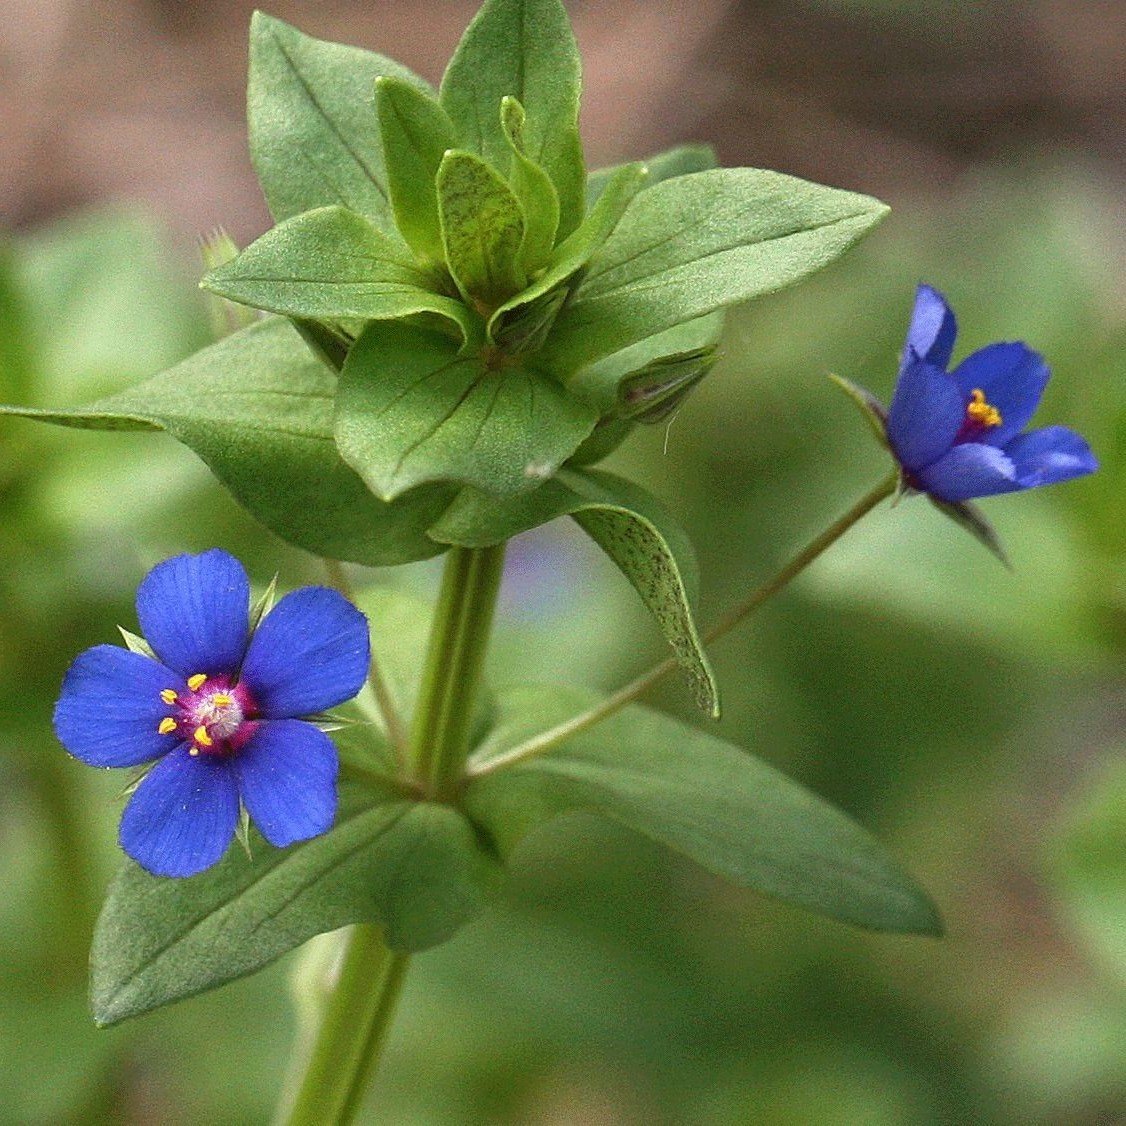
x=642, y=538
x=313, y=140
x=416, y=134
x=482, y=229
x=411, y=410
x=534, y=189
x=574, y=252
x=414, y=868
x=665, y=165
x=331, y=264
x=257, y=407
x=713, y=802
x=1087, y=865
x=524, y=49
x=698, y=243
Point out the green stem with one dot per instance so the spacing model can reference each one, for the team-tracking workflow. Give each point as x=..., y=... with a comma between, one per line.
x=358, y=1011
x=546, y=740
x=459, y=639
x=352, y=1033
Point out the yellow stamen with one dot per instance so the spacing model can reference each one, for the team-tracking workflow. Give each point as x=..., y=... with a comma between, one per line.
x=222, y=699
x=195, y=683
x=981, y=411
x=193, y=751
x=167, y=726
x=168, y=696
x=201, y=736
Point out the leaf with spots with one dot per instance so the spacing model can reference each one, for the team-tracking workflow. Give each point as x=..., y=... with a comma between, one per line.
x=482, y=229
x=523, y=49
x=630, y=525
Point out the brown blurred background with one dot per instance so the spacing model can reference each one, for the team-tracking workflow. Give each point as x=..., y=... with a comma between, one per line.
x=144, y=99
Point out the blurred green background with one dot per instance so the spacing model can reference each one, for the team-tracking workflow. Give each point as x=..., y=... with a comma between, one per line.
x=971, y=717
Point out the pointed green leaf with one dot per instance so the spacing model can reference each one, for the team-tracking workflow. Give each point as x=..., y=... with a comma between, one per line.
x=534, y=190
x=313, y=140
x=665, y=165
x=416, y=134
x=524, y=49
x=411, y=410
x=698, y=243
x=257, y=407
x=574, y=252
x=414, y=868
x=482, y=229
x=642, y=538
x=718, y=804
x=332, y=264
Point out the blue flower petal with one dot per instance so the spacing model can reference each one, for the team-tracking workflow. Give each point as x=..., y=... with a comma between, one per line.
x=110, y=707
x=311, y=652
x=970, y=470
x=925, y=415
x=1050, y=455
x=287, y=778
x=1013, y=378
x=194, y=611
x=183, y=815
x=932, y=330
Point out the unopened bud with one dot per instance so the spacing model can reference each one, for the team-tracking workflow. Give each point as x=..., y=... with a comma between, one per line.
x=653, y=392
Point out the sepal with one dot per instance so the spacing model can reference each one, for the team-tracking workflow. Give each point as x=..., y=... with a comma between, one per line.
x=967, y=515
x=871, y=409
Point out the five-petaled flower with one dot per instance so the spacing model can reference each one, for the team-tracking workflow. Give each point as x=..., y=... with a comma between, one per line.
x=219, y=709
x=960, y=434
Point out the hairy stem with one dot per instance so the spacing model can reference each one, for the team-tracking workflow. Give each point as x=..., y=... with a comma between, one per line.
x=546, y=740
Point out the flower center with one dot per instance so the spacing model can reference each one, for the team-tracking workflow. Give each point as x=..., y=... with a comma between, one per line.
x=215, y=715
x=981, y=413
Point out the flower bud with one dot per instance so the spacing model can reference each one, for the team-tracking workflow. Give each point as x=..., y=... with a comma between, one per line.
x=652, y=393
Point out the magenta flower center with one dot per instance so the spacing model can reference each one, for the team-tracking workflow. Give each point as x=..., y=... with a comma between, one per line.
x=215, y=715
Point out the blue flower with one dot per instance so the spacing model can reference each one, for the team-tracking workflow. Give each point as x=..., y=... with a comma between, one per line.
x=219, y=709
x=960, y=434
